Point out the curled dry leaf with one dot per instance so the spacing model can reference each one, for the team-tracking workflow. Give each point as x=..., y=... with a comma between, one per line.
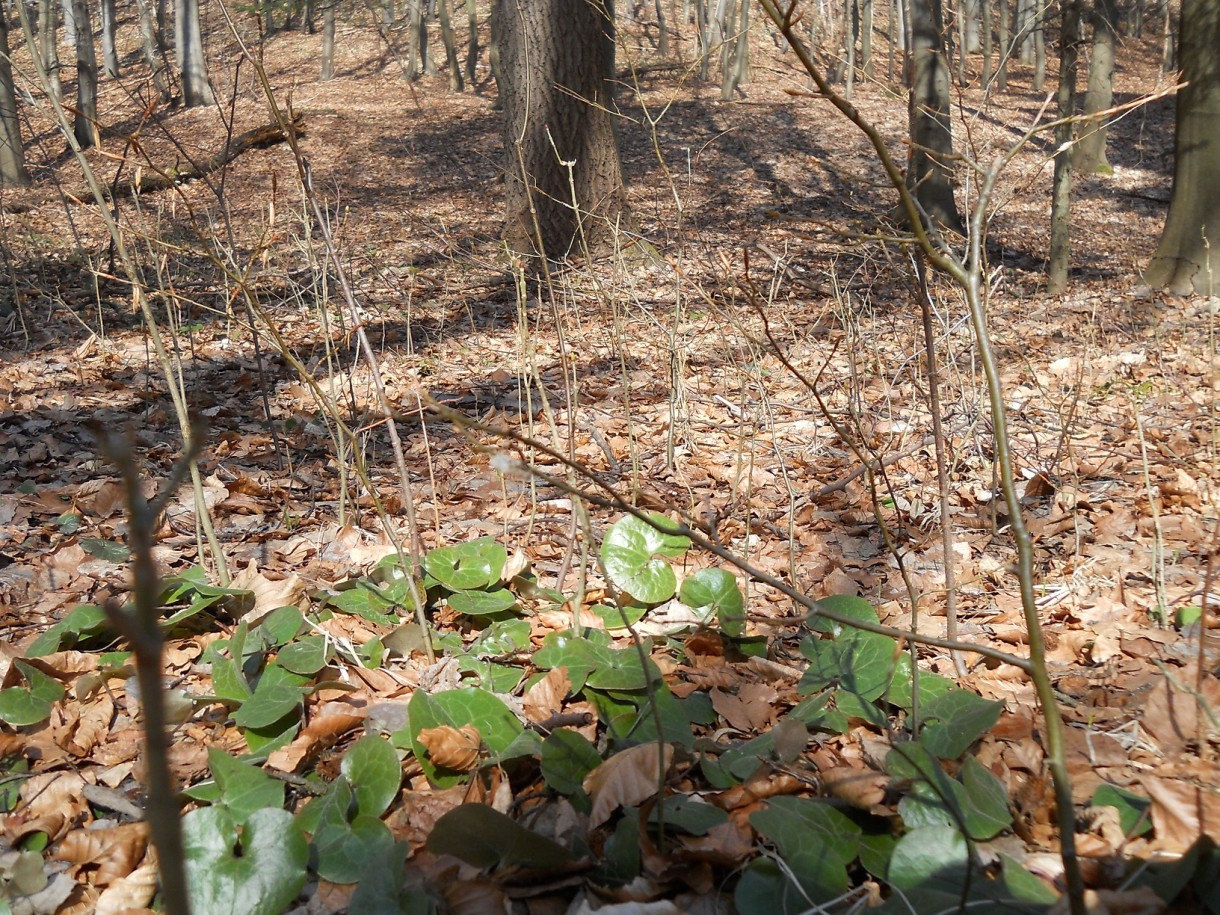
x=93, y=726
x=268, y=595
x=323, y=731
x=625, y=779
x=1182, y=812
x=115, y=852
x=456, y=749
x=546, y=697
x=862, y=788
x=135, y=891
x=53, y=794
x=1142, y=901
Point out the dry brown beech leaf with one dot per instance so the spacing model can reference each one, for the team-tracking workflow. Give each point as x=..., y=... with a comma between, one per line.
x=133, y=892
x=860, y=787
x=456, y=749
x=624, y=780
x=114, y=851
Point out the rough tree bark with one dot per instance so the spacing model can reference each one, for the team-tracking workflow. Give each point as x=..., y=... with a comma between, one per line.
x=110, y=54
x=84, y=125
x=188, y=54
x=12, y=152
x=1188, y=256
x=564, y=181
x=48, y=44
x=929, y=171
x=153, y=45
x=1091, y=149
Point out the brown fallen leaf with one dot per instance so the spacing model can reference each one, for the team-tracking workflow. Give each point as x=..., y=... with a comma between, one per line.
x=455, y=749
x=115, y=852
x=860, y=787
x=625, y=779
x=133, y=892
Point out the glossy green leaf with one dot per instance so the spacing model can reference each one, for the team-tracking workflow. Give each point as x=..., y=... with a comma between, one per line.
x=498, y=726
x=372, y=768
x=1022, y=886
x=688, y=813
x=337, y=805
x=268, y=705
x=847, y=605
x=1133, y=809
x=244, y=788
x=796, y=825
x=467, y=566
x=798, y=887
x=384, y=888
x=956, y=720
x=622, y=669
x=82, y=622
x=257, y=870
x=483, y=603
x=366, y=602
x=567, y=757
x=629, y=554
x=580, y=656
x=345, y=849
x=716, y=590
x=620, y=617
x=502, y=639
x=282, y=625
x=935, y=858
x=19, y=707
x=484, y=838
x=858, y=662
x=931, y=686
x=305, y=656
x=105, y=549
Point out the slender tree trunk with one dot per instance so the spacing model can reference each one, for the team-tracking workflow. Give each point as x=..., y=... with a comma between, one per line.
x=328, y=41
x=961, y=44
x=69, y=22
x=893, y=34
x=12, y=150
x=1168, y=64
x=188, y=54
x=930, y=170
x=110, y=56
x=1188, y=256
x=735, y=54
x=662, y=30
x=472, y=47
x=84, y=125
x=1025, y=30
x=557, y=62
x=851, y=21
x=1039, y=53
x=449, y=40
x=1091, y=148
x=415, y=25
x=1061, y=191
x=48, y=44
x=985, y=25
x=153, y=50
x=866, y=37
x=1001, y=76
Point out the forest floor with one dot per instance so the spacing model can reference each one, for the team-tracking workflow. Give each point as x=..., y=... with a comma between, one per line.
x=671, y=378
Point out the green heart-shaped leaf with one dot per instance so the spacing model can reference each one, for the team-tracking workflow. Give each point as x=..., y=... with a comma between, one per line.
x=629, y=552
x=467, y=566
x=716, y=590
x=257, y=870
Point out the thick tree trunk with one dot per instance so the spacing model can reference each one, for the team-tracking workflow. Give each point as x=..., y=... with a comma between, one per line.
x=929, y=171
x=69, y=22
x=564, y=185
x=472, y=47
x=12, y=151
x=48, y=44
x=1061, y=190
x=1188, y=257
x=110, y=55
x=84, y=126
x=1091, y=150
x=188, y=54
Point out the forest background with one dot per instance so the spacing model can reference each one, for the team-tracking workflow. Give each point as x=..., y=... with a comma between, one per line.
x=780, y=542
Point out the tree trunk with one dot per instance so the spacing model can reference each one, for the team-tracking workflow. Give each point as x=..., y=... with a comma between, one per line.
x=472, y=48
x=12, y=151
x=662, y=30
x=1039, y=52
x=1188, y=257
x=188, y=54
x=1091, y=149
x=84, y=125
x=985, y=25
x=1061, y=190
x=1026, y=14
x=851, y=22
x=328, y=41
x=449, y=40
x=110, y=56
x=48, y=44
x=929, y=170
x=1167, y=42
x=69, y=22
x=1001, y=74
x=866, y=37
x=153, y=49
x=557, y=63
